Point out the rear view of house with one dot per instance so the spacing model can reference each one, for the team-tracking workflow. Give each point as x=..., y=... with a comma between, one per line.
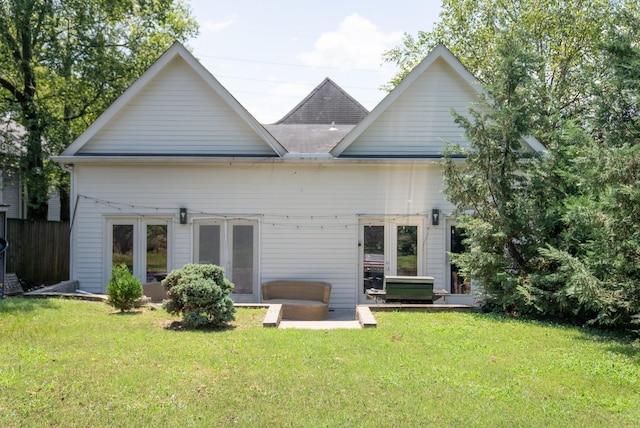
x=176, y=171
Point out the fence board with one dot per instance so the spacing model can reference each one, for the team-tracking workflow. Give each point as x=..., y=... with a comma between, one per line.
x=38, y=251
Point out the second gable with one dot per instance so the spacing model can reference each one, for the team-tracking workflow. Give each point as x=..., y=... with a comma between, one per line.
x=419, y=122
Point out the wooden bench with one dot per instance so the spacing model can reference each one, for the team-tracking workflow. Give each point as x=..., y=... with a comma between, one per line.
x=301, y=300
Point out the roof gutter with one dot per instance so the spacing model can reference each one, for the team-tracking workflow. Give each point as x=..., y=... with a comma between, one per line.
x=206, y=160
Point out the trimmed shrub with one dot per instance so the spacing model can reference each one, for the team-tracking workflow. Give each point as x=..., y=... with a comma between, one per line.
x=199, y=292
x=123, y=289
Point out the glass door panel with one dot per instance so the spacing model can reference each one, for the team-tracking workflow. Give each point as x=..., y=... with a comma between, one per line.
x=458, y=283
x=407, y=251
x=373, y=259
x=157, y=262
x=122, y=245
x=209, y=244
x=242, y=259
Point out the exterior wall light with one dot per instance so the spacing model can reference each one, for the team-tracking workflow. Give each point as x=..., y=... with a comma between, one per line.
x=435, y=216
x=183, y=216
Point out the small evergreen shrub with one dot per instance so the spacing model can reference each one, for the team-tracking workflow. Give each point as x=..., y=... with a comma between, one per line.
x=123, y=289
x=199, y=292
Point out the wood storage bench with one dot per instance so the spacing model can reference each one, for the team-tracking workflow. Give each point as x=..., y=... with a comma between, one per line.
x=300, y=300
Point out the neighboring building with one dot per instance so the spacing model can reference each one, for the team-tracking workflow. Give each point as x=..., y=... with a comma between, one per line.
x=11, y=136
x=177, y=171
x=11, y=146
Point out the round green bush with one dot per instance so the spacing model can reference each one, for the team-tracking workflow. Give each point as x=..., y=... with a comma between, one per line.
x=123, y=289
x=200, y=292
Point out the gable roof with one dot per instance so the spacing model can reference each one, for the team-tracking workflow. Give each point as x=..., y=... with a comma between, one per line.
x=439, y=53
x=319, y=121
x=177, y=50
x=328, y=103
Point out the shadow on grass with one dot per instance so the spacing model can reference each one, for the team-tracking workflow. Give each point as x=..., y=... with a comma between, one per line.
x=621, y=342
x=10, y=305
x=179, y=326
x=616, y=342
x=125, y=313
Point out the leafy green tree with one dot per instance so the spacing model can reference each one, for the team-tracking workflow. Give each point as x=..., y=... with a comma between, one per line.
x=565, y=35
x=63, y=62
x=599, y=257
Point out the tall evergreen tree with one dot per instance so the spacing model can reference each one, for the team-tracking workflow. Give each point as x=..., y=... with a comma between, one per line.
x=599, y=261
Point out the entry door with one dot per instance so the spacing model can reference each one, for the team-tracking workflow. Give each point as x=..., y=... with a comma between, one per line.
x=389, y=248
x=232, y=245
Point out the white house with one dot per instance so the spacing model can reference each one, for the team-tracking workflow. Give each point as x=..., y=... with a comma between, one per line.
x=12, y=136
x=177, y=171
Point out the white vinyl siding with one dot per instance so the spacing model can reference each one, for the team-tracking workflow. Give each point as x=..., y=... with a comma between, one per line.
x=10, y=195
x=419, y=122
x=308, y=214
x=177, y=113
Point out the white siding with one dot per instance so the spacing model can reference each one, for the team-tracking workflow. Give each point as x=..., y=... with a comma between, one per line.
x=308, y=213
x=419, y=122
x=10, y=195
x=177, y=113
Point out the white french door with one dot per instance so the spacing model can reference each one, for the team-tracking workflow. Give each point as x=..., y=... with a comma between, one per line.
x=141, y=243
x=389, y=247
x=232, y=245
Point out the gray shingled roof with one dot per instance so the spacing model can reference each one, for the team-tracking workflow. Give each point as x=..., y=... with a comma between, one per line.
x=320, y=121
x=326, y=104
x=309, y=138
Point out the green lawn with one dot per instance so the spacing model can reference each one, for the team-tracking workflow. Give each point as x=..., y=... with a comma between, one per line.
x=73, y=363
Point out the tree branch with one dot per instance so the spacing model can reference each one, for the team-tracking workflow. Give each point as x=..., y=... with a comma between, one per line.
x=19, y=96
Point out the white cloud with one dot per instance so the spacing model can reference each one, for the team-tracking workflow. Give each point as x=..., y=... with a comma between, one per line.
x=214, y=27
x=356, y=44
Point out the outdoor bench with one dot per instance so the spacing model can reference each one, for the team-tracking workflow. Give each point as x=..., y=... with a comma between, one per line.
x=300, y=299
x=407, y=289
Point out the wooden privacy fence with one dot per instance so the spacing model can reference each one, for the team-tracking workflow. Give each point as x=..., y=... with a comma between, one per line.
x=38, y=251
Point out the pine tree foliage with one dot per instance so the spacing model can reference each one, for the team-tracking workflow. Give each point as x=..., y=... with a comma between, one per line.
x=553, y=234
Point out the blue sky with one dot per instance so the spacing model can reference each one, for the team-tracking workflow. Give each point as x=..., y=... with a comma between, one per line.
x=271, y=54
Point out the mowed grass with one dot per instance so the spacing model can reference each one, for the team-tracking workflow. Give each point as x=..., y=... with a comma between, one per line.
x=74, y=363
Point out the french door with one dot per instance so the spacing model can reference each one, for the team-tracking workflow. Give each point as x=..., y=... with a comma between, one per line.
x=143, y=244
x=390, y=247
x=232, y=245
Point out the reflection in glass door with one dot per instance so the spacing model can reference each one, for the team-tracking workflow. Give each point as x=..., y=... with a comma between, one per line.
x=458, y=284
x=373, y=259
x=407, y=250
x=157, y=262
x=391, y=247
x=141, y=244
x=122, y=250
